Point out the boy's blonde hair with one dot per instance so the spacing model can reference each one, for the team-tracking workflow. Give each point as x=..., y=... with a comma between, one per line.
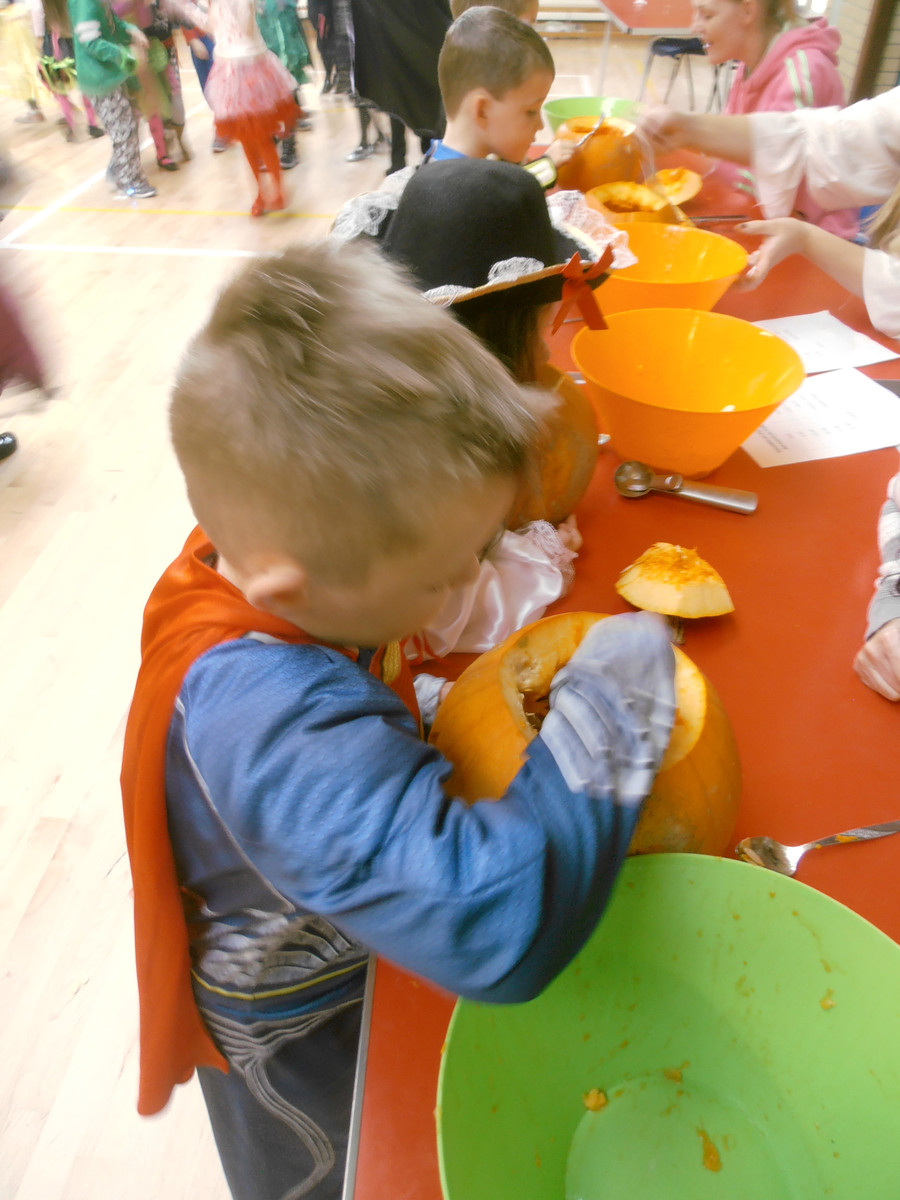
x=517, y=8
x=327, y=408
x=491, y=49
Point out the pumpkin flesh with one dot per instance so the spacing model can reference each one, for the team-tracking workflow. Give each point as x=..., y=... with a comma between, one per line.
x=566, y=454
x=492, y=713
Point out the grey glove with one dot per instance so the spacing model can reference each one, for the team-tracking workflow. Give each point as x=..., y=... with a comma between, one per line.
x=612, y=707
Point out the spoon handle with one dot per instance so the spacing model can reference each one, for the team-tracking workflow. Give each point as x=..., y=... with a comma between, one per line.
x=865, y=834
x=706, y=493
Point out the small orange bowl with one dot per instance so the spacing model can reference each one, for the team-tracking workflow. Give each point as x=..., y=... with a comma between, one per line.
x=679, y=389
x=678, y=267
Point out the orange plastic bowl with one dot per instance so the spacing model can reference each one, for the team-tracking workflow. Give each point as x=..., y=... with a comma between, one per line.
x=678, y=267
x=681, y=389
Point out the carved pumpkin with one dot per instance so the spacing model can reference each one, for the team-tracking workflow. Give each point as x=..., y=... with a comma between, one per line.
x=622, y=201
x=609, y=154
x=566, y=457
x=496, y=707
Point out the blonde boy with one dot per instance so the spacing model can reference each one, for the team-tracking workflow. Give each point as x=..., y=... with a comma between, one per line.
x=495, y=72
x=525, y=10
x=349, y=450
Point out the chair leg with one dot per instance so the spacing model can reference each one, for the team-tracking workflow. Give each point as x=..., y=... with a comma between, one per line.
x=647, y=65
x=676, y=63
x=690, y=79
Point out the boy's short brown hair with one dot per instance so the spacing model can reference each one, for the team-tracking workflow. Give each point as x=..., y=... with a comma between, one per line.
x=517, y=8
x=490, y=49
x=327, y=407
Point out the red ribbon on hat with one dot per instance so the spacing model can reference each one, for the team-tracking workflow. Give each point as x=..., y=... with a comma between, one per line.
x=576, y=290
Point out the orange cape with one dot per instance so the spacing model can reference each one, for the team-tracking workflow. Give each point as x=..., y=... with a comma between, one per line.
x=190, y=610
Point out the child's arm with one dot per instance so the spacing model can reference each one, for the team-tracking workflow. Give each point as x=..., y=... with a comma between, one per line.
x=336, y=802
x=189, y=13
x=878, y=662
x=86, y=27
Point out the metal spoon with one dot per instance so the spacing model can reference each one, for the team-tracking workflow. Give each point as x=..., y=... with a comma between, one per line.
x=766, y=852
x=635, y=479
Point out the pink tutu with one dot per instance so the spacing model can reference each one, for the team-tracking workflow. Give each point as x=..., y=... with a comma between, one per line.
x=251, y=96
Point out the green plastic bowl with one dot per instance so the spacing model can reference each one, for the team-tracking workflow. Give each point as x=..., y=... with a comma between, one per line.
x=561, y=109
x=727, y=1013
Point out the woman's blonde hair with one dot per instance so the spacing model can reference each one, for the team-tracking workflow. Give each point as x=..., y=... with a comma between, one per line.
x=884, y=230
x=327, y=408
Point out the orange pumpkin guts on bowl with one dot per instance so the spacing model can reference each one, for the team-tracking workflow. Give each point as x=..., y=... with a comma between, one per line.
x=566, y=454
x=607, y=155
x=497, y=705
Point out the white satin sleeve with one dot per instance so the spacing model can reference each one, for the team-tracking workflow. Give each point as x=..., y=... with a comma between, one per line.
x=881, y=291
x=846, y=157
x=523, y=573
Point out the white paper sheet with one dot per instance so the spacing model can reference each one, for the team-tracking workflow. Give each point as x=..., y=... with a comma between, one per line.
x=826, y=344
x=840, y=412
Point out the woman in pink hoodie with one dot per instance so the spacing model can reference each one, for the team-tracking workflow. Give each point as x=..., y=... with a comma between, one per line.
x=783, y=62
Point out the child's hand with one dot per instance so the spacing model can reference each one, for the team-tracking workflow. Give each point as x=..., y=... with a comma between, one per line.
x=561, y=151
x=138, y=39
x=569, y=533
x=199, y=50
x=878, y=663
x=784, y=236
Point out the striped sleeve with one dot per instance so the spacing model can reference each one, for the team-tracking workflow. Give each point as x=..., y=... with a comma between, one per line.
x=885, y=605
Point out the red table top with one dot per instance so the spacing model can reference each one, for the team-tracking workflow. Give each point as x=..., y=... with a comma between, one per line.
x=673, y=17
x=817, y=746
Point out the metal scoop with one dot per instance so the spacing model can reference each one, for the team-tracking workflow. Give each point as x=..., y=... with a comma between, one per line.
x=635, y=479
x=766, y=852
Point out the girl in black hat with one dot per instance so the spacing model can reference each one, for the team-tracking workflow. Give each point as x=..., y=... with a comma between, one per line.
x=477, y=235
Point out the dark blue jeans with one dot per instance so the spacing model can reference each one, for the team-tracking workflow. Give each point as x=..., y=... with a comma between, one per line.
x=281, y=1116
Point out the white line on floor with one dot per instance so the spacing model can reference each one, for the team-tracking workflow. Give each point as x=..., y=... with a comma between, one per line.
x=71, y=195
x=177, y=251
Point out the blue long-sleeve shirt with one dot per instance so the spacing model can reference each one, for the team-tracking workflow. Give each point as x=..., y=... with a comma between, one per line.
x=310, y=824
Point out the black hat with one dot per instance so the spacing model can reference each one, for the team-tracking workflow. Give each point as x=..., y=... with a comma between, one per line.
x=477, y=233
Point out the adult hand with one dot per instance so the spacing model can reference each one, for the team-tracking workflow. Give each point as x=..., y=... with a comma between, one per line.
x=878, y=663
x=561, y=150
x=784, y=236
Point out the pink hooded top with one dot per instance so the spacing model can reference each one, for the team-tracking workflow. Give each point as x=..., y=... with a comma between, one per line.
x=799, y=70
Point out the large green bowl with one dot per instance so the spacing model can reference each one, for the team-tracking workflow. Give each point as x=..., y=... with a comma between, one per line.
x=732, y=1018
x=565, y=107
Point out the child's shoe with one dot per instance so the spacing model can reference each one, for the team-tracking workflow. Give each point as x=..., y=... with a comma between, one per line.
x=258, y=207
x=220, y=145
x=166, y=163
x=137, y=191
x=8, y=444
x=96, y=132
x=363, y=150
x=288, y=157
